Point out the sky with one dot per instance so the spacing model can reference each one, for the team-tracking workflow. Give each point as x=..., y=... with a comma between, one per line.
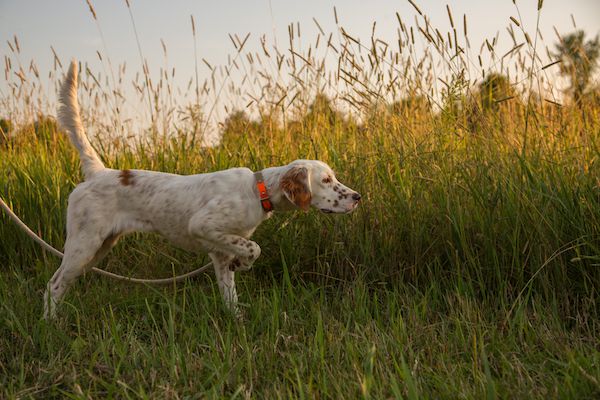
x=68, y=26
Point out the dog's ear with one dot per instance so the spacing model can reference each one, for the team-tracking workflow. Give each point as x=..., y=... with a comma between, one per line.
x=296, y=187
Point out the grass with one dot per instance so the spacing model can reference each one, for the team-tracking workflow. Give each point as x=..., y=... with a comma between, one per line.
x=470, y=270
x=298, y=340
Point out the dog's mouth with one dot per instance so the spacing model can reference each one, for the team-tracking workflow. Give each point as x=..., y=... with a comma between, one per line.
x=347, y=211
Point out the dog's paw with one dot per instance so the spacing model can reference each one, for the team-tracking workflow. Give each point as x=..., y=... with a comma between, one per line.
x=244, y=263
x=238, y=264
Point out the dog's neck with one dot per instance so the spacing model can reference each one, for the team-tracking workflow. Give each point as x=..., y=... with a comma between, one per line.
x=272, y=177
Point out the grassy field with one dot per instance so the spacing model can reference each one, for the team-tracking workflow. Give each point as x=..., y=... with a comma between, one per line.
x=470, y=270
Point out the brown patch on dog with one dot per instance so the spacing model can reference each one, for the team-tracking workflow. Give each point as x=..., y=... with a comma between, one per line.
x=294, y=184
x=126, y=177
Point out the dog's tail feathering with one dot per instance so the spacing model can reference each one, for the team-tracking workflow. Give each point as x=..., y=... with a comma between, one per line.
x=70, y=120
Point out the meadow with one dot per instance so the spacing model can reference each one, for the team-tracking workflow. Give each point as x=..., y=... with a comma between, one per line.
x=470, y=269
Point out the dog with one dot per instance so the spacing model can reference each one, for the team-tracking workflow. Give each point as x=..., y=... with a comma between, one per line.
x=213, y=212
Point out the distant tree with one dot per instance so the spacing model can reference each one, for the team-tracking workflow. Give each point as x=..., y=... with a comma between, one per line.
x=321, y=111
x=494, y=88
x=413, y=104
x=235, y=126
x=5, y=128
x=579, y=60
x=46, y=129
x=323, y=116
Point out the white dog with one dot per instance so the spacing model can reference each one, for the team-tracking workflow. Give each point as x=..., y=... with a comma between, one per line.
x=213, y=212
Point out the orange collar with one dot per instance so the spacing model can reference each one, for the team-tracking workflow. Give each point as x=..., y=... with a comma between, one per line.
x=265, y=201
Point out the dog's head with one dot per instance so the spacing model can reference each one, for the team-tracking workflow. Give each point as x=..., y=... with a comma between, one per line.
x=312, y=183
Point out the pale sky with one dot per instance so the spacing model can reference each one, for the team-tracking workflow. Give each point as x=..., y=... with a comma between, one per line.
x=68, y=26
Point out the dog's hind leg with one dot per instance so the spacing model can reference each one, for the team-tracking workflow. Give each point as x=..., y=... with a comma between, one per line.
x=82, y=251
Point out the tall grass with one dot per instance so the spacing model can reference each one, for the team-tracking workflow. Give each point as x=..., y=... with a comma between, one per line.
x=470, y=269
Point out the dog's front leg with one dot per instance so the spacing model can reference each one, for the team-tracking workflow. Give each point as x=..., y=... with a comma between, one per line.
x=245, y=251
x=214, y=238
x=225, y=280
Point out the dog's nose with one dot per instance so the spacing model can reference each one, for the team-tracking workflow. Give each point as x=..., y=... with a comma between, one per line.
x=356, y=196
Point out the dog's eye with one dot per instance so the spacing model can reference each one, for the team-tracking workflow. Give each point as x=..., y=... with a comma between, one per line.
x=327, y=179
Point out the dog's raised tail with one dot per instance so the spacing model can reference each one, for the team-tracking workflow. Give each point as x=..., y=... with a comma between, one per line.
x=70, y=120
